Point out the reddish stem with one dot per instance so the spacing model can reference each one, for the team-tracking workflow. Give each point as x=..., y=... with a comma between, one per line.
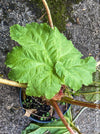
x=80, y=103
x=55, y=105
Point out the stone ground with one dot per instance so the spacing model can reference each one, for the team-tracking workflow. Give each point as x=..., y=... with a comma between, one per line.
x=85, y=34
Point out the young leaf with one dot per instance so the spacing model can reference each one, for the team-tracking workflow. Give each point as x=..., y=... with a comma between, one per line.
x=45, y=60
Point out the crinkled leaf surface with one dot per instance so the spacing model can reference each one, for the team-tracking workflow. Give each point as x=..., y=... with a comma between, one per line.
x=45, y=59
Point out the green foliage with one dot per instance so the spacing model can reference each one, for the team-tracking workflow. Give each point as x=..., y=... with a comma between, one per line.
x=92, y=92
x=45, y=60
x=56, y=127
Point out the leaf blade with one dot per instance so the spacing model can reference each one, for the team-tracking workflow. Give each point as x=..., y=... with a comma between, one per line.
x=45, y=60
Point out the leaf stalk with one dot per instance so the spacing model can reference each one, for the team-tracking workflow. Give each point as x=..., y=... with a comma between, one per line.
x=55, y=105
x=48, y=13
x=80, y=103
x=12, y=83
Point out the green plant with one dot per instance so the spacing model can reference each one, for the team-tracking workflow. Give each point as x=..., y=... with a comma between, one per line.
x=44, y=61
x=49, y=58
x=56, y=127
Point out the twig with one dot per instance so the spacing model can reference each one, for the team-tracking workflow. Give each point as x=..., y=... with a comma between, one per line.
x=76, y=117
x=12, y=83
x=48, y=13
x=42, y=16
x=55, y=105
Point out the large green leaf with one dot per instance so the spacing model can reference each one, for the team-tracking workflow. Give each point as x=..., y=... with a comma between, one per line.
x=45, y=59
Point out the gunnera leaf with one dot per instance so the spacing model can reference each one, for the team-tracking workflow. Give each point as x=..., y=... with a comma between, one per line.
x=45, y=59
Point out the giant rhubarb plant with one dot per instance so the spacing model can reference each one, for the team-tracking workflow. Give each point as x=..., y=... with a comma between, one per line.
x=45, y=60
